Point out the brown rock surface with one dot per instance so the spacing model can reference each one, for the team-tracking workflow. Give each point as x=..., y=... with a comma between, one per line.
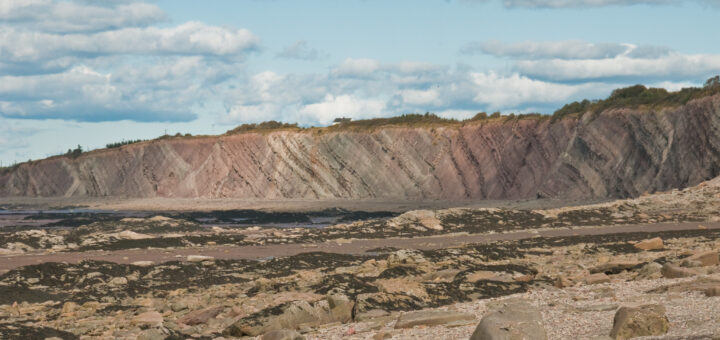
x=706, y=258
x=672, y=271
x=651, y=244
x=431, y=318
x=512, y=320
x=200, y=316
x=597, y=278
x=646, y=320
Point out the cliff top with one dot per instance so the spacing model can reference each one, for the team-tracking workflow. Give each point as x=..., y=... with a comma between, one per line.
x=633, y=97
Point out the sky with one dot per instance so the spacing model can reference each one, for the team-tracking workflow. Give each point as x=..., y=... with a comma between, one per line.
x=93, y=72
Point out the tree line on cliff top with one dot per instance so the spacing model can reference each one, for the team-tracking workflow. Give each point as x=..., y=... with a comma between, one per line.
x=629, y=97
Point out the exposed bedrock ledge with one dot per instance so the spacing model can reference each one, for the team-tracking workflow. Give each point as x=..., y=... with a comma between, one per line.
x=617, y=153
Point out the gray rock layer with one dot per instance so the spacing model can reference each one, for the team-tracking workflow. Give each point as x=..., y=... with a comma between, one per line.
x=617, y=153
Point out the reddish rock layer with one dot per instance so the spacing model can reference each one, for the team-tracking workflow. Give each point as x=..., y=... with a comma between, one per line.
x=617, y=153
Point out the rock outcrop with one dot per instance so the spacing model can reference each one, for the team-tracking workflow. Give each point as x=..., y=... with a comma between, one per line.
x=615, y=153
x=513, y=320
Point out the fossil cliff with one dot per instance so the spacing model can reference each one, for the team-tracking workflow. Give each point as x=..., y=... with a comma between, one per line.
x=614, y=153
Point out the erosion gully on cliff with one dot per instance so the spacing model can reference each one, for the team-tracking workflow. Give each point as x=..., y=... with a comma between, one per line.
x=617, y=152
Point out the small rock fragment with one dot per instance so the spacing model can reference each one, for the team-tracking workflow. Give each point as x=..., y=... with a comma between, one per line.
x=199, y=258
x=651, y=244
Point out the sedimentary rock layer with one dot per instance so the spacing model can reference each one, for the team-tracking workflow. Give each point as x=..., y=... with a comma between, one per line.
x=616, y=153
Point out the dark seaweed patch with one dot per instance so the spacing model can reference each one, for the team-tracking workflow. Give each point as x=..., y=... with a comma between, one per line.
x=15, y=331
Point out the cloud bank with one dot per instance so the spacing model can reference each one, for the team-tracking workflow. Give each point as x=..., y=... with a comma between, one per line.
x=104, y=61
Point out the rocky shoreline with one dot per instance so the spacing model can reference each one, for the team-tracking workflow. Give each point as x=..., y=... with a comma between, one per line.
x=376, y=294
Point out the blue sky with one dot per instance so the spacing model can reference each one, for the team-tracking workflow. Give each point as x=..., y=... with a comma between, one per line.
x=92, y=72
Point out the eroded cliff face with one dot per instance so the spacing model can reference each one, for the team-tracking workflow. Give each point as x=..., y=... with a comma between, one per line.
x=617, y=153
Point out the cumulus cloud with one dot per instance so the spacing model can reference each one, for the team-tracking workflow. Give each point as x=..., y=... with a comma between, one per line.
x=105, y=60
x=167, y=91
x=68, y=16
x=366, y=88
x=575, y=60
x=192, y=38
x=301, y=50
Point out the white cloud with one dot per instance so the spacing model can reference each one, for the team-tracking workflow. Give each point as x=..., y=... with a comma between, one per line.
x=192, y=38
x=331, y=107
x=384, y=90
x=67, y=16
x=568, y=49
x=105, y=60
x=509, y=91
x=169, y=90
x=357, y=67
x=674, y=65
x=429, y=97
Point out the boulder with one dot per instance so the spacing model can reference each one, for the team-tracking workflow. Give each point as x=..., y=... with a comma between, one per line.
x=143, y=263
x=117, y=282
x=282, y=334
x=706, y=258
x=200, y=316
x=651, y=244
x=431, y=318
x=515, y=319
x=425, y=219
x=597, y=278
x=672, y=271
x=292, y=315
x=650, y=270
x=646, y=320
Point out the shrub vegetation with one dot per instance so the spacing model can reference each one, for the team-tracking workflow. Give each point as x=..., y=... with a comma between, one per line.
x=639, y=95
x=123, y=142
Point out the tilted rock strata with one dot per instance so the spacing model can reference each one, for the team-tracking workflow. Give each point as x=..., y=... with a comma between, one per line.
x=617, y=153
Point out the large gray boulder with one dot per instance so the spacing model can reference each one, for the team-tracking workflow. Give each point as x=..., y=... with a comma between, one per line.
x=513, y=320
